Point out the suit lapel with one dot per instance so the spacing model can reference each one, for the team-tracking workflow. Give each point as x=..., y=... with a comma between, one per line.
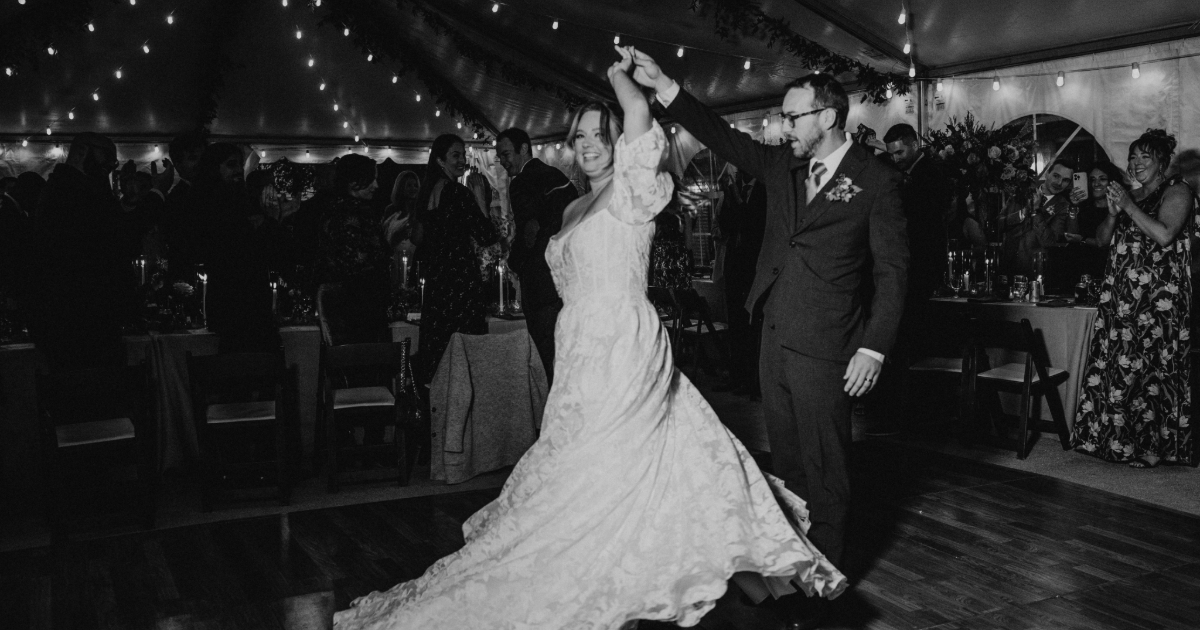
x=852, y=164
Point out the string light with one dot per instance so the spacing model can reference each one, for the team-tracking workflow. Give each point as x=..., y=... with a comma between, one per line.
x=322, y=88
x=306, y=151
x=262, y=154
x=437, y=113
x=673, y=130
x=558, y=146
x=912, y=70
x=345, y=125
x=370, y=57
x=1060, y=79
x=907, y=46
x=1137, y=70
x=495, y=7
x=91, y=27
x=8, y=71
x=889, y=91
x=903, y=15
x=311, y=61
x=335, y=107
x=746, y=66
x=156, y=148
x=356, y=137
x=171, y=18
x=299, y=33
x=146, y=48
x=460, y=125
x=679, y=53
x=133, y=3
x=25, y=142
x=418, y=98
x=118, y=73
x=766, y=121
x=71, y=115
x=48, y=132
x=96, y=95
x=395, y=79
x=51, y=51
x=346, y=32
x=939, y=85
x=996, y=84
x=616, y=39
x=538, y=147
x=285, y=3
x=554, y=25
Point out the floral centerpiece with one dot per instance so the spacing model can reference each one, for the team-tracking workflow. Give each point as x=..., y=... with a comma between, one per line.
x=985, y=159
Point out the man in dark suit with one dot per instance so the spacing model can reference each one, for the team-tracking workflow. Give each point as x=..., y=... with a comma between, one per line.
x=834, y=225
x=925, y=195
x=1033, y=223
x=537, y=193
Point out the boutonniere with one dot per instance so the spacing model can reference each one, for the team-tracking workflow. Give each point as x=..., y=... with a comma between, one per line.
x=843, y=189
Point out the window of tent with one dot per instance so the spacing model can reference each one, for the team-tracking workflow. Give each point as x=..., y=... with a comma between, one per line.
x=1061, y=138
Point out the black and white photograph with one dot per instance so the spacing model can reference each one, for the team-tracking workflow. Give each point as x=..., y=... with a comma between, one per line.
x=599, y=314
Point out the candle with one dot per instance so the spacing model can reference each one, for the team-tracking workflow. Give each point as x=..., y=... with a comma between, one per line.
x=204, y=297
x=422, y=293
x=274, y=297
x=404, y=271
x=500, y=276
x=141, y=263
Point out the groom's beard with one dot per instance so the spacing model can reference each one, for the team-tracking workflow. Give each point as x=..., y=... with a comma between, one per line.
x=804, y=148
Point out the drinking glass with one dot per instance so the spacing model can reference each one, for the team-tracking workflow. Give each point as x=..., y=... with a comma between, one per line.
x=1020, y=285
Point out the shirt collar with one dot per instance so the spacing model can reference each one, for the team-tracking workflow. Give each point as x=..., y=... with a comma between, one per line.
x=833, y=160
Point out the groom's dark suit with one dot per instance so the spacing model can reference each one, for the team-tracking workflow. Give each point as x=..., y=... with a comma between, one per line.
x=834, y=275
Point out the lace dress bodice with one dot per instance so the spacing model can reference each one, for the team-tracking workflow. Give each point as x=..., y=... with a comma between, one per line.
x=608, y=252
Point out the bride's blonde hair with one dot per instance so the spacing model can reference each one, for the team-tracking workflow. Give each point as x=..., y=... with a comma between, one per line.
x=610, y=125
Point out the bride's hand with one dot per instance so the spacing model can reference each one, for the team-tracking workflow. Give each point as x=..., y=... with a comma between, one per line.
x=646, y=71
x=623, y=64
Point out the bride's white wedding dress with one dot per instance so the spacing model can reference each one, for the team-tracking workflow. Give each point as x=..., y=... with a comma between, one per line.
x=635, y=502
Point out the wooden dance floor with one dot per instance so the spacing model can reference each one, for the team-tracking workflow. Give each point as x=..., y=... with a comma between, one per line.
x=936, y=542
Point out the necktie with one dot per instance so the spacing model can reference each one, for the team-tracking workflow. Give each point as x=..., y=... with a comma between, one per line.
x=814, y=184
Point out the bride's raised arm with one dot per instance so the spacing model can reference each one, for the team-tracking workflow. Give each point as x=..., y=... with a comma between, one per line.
x=629, y=95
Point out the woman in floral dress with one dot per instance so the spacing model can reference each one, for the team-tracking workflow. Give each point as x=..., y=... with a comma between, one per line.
x=1135, y=404
x=452, y=220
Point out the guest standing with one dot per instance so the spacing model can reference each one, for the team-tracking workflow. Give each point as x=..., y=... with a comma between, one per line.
x=352, y=252
x=1033, y=222
x=237, y=245
x=1135, y=402
x=452, y=219
x=84, y=245
x=925, y=194
x=537, y=194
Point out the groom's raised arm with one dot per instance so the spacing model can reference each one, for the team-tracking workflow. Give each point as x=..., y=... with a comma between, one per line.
x=716, y=134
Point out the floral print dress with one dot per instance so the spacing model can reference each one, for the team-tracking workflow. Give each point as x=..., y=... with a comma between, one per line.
x=1136, y=400
x=454, y=295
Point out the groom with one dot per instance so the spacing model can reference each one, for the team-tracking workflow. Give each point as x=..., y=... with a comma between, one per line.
x=833, y=270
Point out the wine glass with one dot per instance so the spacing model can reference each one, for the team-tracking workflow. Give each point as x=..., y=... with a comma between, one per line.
x=1019, y=286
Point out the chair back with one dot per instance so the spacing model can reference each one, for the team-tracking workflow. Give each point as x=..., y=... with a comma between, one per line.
x=1013, y=337
x=344, y=319
x=236, y=376
x=354, y=357
x=75, y=396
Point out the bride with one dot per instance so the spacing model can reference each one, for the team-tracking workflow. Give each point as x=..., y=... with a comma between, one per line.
x=635, y=502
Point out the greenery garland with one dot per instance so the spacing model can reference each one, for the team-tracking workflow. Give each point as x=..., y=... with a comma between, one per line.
x=733, y=18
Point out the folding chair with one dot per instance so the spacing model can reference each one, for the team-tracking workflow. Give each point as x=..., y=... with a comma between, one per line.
x=695, y=324
x=1030, y=378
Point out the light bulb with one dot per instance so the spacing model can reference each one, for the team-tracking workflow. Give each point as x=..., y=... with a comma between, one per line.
x=679, y=53
x=24, y=143
x=746, y=66
x=996, y=84
x=91, y=27
x=1060, y=79
x=616, y=39
x=437, y=112
x=335, y=107
x=554, y=25
x=907, y=47
x=133, y=3
x=95, y=96
x=299, y=33
x=306, y=151
x=370, y=56
x=460, y=125
x=346, y=32
x=317, y=3
x=939, y=85
x=673, y=130
x=8, y=71
x=50, y=49
x=903, y=16
x=912, y=71
x=418, y=98
x=262, y=154
x=731, y=125
x=311, y=61
x=395, y=79
x=156, y=148
x=285, y=3
x=118, y=73
x=889, y=92
x=558, y=146
x=20, y=1
x=345, y=125
x=71, y=115
x=170, y=18
x=322, y=88
x=1137, y=70
x=766, y=121
x=495, y=7
x=356, y=137
x=48, y=132
x=146, y=48
x=476, y=136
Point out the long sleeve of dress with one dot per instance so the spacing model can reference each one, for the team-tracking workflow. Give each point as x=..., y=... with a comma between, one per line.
x=640, y=189
x=478, y=226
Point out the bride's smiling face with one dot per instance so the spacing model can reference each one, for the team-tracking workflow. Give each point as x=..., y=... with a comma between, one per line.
x=592, y=153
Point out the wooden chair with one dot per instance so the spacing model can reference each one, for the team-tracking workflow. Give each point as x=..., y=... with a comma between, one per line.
x=366, y=386
x=668, y=308
x=243, y=400
x=695, y=325
x=940, y=365
x=94, y=422
x=1030, y=378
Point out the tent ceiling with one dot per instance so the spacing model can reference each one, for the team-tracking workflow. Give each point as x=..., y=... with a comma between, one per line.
x=271, y=94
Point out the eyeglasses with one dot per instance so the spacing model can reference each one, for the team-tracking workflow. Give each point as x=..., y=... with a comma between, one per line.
x=792, y=118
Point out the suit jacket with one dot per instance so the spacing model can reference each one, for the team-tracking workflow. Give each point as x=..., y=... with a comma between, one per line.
x=819, y=259
x=925, y=195
x=539, y=193
x=1044, y=225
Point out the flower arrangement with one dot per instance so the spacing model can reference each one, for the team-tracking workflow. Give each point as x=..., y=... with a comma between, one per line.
x=985, y=158
x=492, y=255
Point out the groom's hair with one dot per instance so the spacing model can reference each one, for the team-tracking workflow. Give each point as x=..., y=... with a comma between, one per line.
x=827, y=92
